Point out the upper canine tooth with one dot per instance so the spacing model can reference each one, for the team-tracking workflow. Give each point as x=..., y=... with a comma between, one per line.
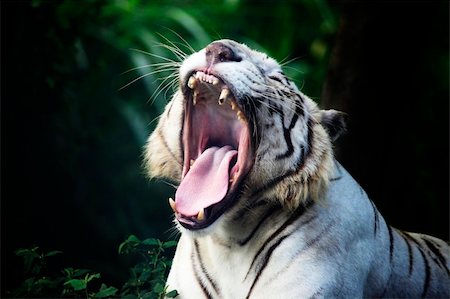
x=192, y=82
x=201, y=215
x=223, y=96
x=233, y=105
x=172, y=204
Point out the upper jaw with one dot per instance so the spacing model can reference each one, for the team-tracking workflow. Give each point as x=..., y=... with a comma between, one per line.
x=213, y=118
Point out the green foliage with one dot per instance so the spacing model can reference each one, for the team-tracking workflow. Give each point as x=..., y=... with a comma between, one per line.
x=147, y=276
x=70, y=282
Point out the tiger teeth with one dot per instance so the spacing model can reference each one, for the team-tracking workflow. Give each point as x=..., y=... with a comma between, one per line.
x=194, y=100
x=192, y=162
x=240, y=116
x=201, y=215
x=233, y=105
x=201, y=76
x=224, y=94
x=172, y=204
x=192, y=83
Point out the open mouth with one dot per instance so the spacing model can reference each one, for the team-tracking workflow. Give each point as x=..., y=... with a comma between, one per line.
x=217, y=151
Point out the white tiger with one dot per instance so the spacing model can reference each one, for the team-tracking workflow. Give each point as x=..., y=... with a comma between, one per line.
x=264, y=209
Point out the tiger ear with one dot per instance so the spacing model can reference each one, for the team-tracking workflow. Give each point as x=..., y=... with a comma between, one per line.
x=334, y=122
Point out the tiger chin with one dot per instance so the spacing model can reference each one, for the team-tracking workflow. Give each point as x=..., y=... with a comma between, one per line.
x=264, y=209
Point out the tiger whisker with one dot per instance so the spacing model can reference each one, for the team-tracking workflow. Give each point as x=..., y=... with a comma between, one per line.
x=186, y=44
x=163, y=85
x=154, y=55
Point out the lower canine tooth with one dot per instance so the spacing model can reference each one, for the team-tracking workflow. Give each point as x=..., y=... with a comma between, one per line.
x=201, y=215
x=172, y=204
x=195, y=97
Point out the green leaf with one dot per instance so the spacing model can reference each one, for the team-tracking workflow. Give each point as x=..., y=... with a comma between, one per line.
x=68, y=271
x=77, y=284
x=152, y=242
x=52, y=253
x=105, y=292
x=80, y=272
x=23, y=251
x=133, y=238
x=158, y=288
x=49, y=283
x=169, y=244
x=148, y=295
x=172, y=294
x=121, y=247
x=89, y=277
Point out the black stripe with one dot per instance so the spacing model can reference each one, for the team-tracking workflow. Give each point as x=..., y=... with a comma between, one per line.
x=249, y=78
x=411, y=257
x=287, y=132
x=199, y=281
x=391, y=252
x=170, y=108
x=319, y=236
x=290, y=146
x=317, y=294
x=437, y=253
x=250, y=207
x=335, y=179
x=297, y=168
x=340, y=176
x=426, y=281
x=375, y=217
x=202, y=267
x=264, y=263
x=295, y=215
x=276, y=79
x=391, y=243
x=261, y=221
x=167, y=147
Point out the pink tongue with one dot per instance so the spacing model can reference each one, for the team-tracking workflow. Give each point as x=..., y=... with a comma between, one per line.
x=206, y=183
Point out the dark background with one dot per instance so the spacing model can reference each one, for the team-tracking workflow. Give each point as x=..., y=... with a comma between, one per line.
x=71, y=141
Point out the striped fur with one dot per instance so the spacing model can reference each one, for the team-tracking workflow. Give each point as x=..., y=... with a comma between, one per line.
x=300, y=226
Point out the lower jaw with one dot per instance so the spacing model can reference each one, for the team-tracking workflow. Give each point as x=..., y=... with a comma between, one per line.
x=212, y=214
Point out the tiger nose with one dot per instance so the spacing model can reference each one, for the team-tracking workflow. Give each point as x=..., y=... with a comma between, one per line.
x=219, y=52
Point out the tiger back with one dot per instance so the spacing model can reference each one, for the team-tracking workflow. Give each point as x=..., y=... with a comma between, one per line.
x=264, y=209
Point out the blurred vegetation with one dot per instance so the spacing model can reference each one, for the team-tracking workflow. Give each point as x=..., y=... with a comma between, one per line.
x=73, y=127
x=81, y=91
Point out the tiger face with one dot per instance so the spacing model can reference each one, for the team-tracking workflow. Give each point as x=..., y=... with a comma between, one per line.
x=238, y=128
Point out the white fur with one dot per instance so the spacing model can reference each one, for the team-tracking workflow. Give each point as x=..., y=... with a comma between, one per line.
x=339, y=247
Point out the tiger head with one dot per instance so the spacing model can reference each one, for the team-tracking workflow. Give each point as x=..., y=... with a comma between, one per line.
x=238, y=132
